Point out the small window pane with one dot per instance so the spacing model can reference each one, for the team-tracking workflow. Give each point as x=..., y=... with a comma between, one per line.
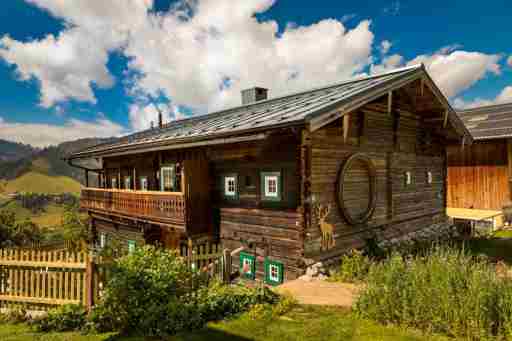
x=143, y=183
x=230, y=186
x=131, y=246
x=103, y=240
x=114, y=182
x=128, y=182
x=168, y=178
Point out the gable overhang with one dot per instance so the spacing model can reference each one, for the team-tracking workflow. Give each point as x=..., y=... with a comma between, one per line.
x=338, y=109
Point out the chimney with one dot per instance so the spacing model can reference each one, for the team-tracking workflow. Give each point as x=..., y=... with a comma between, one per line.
x=254, y=95
x=160, y=119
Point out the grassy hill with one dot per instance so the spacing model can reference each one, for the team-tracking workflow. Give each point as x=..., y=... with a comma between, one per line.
x=39, y=180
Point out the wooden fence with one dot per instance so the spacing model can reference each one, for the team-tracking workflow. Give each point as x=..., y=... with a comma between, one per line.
x=36, y=279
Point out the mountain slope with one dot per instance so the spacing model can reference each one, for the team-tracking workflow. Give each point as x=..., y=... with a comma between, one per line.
x=12, y=151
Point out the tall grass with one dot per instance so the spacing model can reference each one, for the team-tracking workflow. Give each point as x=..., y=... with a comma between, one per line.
x=444, y=290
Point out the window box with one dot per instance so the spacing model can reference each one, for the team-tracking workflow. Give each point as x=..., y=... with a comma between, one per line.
x=271, y=187
x=247, y=265
x=274, y=272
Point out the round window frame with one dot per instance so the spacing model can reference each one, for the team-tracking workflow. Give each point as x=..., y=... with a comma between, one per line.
x=340, y=186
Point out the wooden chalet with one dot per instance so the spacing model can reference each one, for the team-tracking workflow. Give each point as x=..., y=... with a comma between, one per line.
x=295, y=179
x=479, y=176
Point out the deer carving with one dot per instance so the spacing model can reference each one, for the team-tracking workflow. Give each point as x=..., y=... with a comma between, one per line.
x=326, y=228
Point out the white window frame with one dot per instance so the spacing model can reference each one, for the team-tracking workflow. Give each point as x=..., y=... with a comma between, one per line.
x=247, y=261
x=268, y=179
x=128, y=179
x=227, y=191
x=429, y=177
x=271, y=276
x=103, y=239
x=408, y=178
x=143, y=182
x=172, y=170
x=113, y=182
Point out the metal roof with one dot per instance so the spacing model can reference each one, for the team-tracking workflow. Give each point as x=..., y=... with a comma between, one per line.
x=294, y=109
x=488, y=122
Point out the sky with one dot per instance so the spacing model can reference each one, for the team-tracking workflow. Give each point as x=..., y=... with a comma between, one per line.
x=101, y=68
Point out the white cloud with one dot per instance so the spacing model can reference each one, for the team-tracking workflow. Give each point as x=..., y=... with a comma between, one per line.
x=42, y=135
x=453, y=71
x=189, y=53
x=385, y=45
x=505, y=96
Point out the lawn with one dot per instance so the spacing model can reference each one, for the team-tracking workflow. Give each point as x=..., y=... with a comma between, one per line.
x=302, y=323
x=37, y=182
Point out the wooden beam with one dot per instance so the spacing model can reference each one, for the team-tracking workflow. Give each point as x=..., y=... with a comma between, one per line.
x=346, y=124
x=422, y=86
x=134, y=179
x=463, y=142
x=390, y=102
x=445, y=119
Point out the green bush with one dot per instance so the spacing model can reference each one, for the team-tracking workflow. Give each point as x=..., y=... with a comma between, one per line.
x=141, y=287
x=69, y=317
x=152, y=292
x=14, y=316
x=354, y=268
x=445, y=290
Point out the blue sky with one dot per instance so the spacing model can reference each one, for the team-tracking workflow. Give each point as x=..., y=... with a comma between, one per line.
x=98, y=68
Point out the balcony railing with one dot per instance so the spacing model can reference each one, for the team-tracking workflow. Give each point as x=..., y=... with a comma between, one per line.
x=149, y=205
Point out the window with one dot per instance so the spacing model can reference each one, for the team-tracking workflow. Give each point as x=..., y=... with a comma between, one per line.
x=168, y=178
x=103, y=240
x=408, y=178
x=143, y=183
x=230, y=186
x=247, y=265
x=127, y=182
x=273, y=272
x=271, y=183
x=131, y=246
x=429, y=177
x=114, y=182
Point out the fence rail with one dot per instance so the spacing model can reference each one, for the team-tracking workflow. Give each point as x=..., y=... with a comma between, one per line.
x=42, y=278
x=38, y=280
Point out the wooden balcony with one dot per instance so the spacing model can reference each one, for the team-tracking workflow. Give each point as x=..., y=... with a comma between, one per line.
x=163, y=207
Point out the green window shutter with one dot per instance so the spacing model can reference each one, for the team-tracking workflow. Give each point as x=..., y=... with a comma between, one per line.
x=247, y=265
x=274, y=272
x=271, y=186
x=131, y=246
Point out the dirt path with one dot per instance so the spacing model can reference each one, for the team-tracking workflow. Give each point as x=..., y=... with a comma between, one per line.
x=321, y=292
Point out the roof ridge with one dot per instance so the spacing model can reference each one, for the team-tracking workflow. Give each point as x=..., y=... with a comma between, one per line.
x=346, y=81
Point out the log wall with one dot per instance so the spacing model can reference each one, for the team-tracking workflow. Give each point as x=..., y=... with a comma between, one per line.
x=478, y=175
x=395, y=143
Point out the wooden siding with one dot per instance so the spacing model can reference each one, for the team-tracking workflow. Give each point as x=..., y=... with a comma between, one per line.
x=273, y=234
x=478, y=175
x=395, y=143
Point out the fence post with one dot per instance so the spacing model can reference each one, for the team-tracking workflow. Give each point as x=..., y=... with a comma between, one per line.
x=189, y=253
x=89, y=275
x=226, y=262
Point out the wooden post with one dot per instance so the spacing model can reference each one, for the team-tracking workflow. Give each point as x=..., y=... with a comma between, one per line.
x=390, y=102
x=134, y=179
x=509, y=158
x=445, y=119
x=346, y=124
x=89, y=287
x=189, y=253
x=227, y=263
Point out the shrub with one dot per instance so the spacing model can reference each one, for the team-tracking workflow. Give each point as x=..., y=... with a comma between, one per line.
x=444, y=290
x=354, y=267
x=69, y=317
x=14, y=316
x=142, y=286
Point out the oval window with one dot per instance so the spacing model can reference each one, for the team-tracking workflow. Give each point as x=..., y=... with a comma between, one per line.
x=357, y=184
